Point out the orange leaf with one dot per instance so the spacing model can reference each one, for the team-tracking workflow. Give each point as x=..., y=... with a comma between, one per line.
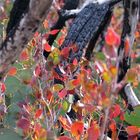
x=132, y=130
x=47, y=47
x=127, y=47
x=113, y=70
x=39, y=132
x=53, y=32
x=113, y=128
x=38, y=113
x=12, y=71
x=65, y=123
x=77, y=129
x=45, y=24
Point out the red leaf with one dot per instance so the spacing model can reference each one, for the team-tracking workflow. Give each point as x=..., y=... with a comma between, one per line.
x=61, y=40
x=93, y=132
x=37, y=71
x=48, y=94
x=38, y=113
x=115, y=112
x=112, y=126
x=112, y=38
x=77, y=129
x=65, y=52
x=23, y=123
x=122, y=116
x=47, y=47
x=53, y=32
x=64, y=138
x=75, y=62
x=76, y=82
x=62, y=93
x=33, y=42
x=24, y=55
x=12, y=71
x=132, y=130
x=36, y=34
x=2, y=87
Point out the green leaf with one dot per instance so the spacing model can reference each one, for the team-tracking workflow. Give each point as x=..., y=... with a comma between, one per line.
x=25, y=75
x=57, y=87
x=65, y=105
x=137, y=60
x=7, y=134
x=16, y=92
x=133, y=118
x=100, y=56
x=12, y=84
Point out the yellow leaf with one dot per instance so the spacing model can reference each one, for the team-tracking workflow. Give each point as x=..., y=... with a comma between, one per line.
x=57, y=87
x=106, y=76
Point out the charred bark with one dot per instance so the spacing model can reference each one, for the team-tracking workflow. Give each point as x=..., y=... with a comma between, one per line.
x=69, y=4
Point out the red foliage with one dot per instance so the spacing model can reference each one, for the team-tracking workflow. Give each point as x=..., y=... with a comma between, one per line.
x=2, y=87
x=112, y=38
x=38, y=113
x=47, y=47
x=94, y=132
x=23, y=123
x=53, y=32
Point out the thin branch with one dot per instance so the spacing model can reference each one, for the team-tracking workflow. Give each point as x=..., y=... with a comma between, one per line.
x=18, y=38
